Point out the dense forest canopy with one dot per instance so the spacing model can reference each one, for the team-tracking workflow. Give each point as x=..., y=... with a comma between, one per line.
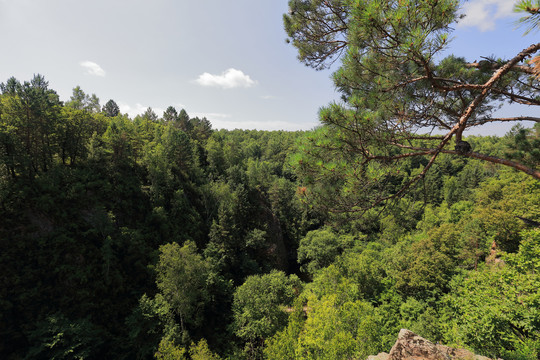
x=135, y=238
x=160, y=237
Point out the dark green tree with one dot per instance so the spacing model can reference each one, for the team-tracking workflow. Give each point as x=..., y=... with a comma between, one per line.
x=170, y=115
x=183, y=121
x=319, y=248
x=111, y=109
x=318, y=28
x=150, y=114
x=61, y=338
x=30, y=115
x=200, y=129
x=73, y=133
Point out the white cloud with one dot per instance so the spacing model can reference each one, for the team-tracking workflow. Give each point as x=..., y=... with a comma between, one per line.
x=209, y=116
x=484, y=13
x=132, y=111
x=231, y=124
x=267, y=97
x=92, y=68
x=137, y=109
x=231, y=78
x=227, y=121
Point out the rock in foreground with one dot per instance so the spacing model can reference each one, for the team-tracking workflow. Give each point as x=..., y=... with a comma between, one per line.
x=410, y=346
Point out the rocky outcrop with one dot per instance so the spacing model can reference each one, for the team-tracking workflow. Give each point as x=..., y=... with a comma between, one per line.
x=410, y=346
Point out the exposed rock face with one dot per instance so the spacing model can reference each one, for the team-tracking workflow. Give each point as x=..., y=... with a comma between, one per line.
x=410, y=346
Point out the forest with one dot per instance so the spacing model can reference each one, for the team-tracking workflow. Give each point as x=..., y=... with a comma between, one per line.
x=162, y=238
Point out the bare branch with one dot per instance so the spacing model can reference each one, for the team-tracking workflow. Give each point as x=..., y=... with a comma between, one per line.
x=534, y=173
x=529, y=171
x=495, y=66
x=518, y=98
x=517, y=118
x=460, y=126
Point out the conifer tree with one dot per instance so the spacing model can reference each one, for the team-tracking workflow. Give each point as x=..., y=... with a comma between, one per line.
x=397, y=94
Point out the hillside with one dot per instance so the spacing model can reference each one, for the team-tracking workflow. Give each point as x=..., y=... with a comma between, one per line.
x=161, y=237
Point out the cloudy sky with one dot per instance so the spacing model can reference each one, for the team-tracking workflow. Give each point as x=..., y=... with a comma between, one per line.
x=226, y=60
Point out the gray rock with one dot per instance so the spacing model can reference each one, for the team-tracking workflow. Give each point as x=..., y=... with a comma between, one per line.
x=379, y=356
x=410, y=346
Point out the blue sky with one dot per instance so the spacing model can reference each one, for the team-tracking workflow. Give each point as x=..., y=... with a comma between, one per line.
x=226, y=60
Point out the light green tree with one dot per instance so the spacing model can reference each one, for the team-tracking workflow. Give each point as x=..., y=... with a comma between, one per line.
x=201, y=351
x=167, y=350
x=170, y=115
x=181, y=279
x=495, y=310
x=79, y=100
x=260, y=307
x=336, y=330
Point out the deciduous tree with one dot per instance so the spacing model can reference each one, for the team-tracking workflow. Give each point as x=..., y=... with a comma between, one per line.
x=181, y=278
x=260, y=306
x=82, y=101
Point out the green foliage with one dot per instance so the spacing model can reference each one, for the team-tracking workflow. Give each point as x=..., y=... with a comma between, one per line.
x=88, y=198
x=532, y=7
x=58, y=337
x=367, y=272
x=421, y=318
x=335, y=330
x=491, y=318
x=426, y=267
x=168, y=351
x=528, y=257
x=81, y=101
x=319, y=248
x=111, y=109
x=148, y=323
x=304, y=22
x=201, y=351
x=496, y=309
x=333, y=326
x=260, y=306
x=181, y=278
x=29, y=117
x=524, y=145
x=133, y=238
x=283, y=344
x=372, y=148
